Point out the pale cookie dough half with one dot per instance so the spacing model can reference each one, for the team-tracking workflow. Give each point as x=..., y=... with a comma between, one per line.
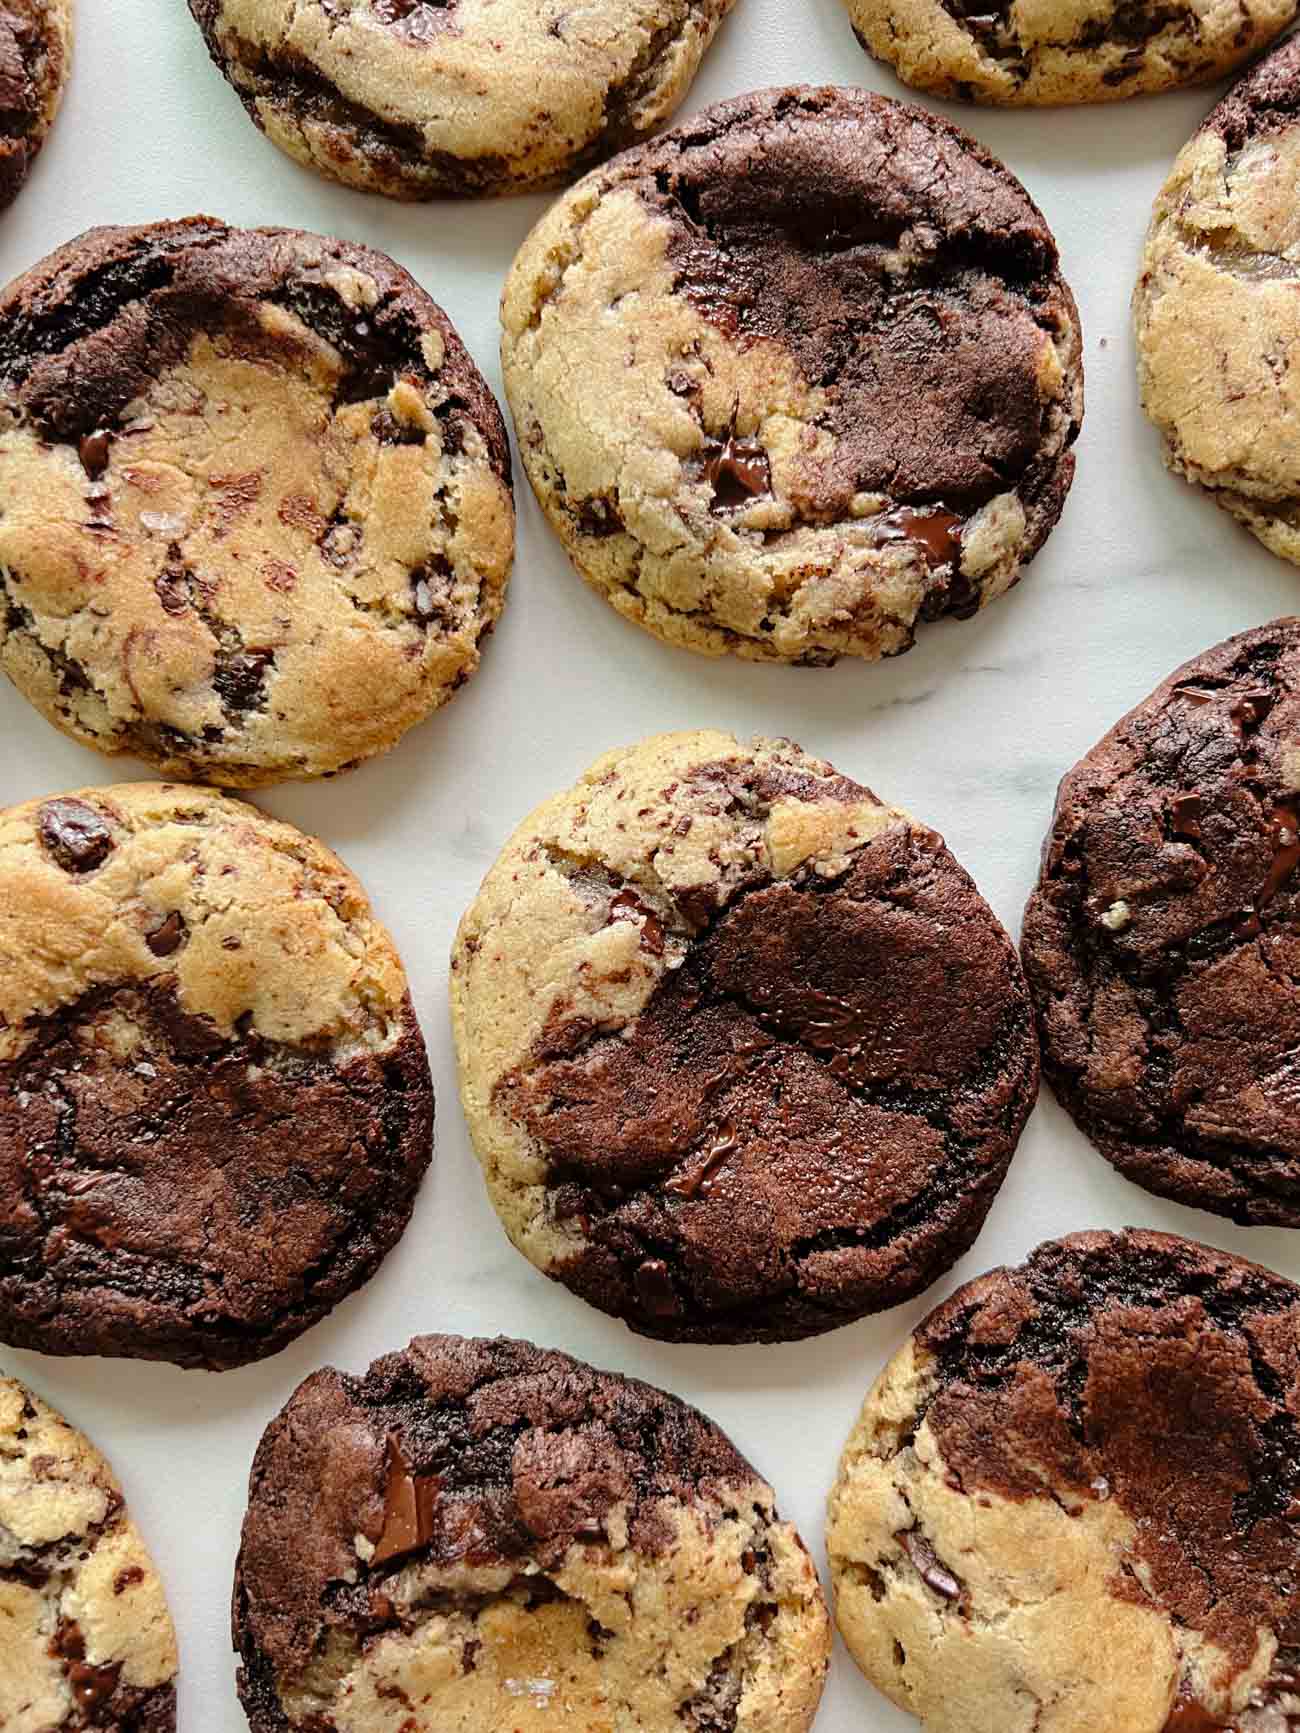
x=215, y=1103
x=487, y=1537
x=1216, y=308
x=35, y=53
x=796, y=377
x=86, y=1640
x=255, y=501
x=1069, y=1504
x=744, y=1053
x=1040, y=53
x=422, y=99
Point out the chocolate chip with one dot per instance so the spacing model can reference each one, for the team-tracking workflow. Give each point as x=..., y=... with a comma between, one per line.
x=94, y=452
x=75, y=835
x=737, y=470
x=930, y=1568
x=168, y=936
x=239, y=679
x=409, y=1503
x=1185, y=815
x=936, y=531
x=627, y=906
x=655, y=1289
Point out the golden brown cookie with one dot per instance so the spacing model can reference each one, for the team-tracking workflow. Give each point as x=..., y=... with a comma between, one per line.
x=86, y=1640
x=1040, y=53
x=744, y=1053
x=796, y=377
x=423, y=99
x=1216, y=310
x=35, y=49
x=215, y=1104
x=1070, y=1502
x=255, y=500
x=487, y=1537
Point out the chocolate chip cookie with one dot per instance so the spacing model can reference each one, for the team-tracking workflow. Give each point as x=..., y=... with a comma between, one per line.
x=215, y=1105
x=1163, y=939
x=1215, y=308
x=85, y=1636
x=1071, y=1499
x=424, y=99
x=795, y=377
x=744, y=1053
x=255, y=500
x=1018, y=54
x=35, y=48
x=487, y=1536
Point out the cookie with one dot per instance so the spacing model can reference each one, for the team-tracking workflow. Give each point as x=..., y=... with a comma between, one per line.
x=35, y=48
x=1215, y=306
x=1161, y=940
x=743, y=1052
x=796, y=376
x=215, y=1105
x=487, y=1536
x=423, y=99
x=85, y=1636
x=1018, y=54
x=255, y=500
x=1070, y=1500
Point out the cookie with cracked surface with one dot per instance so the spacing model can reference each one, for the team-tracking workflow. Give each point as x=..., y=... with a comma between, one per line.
x=85, y=1636
x=1215, y=308
x=1042, y=53
x=1070, y=1500
x=485, y=1535
x=743, y=1052
x=795, y=377
x=1161, y=940
x=255, y=500
x=215, y=1105
x=423, y=99
x=35, y=50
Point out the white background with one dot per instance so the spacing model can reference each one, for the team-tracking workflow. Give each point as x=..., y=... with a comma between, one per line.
x=970, y=731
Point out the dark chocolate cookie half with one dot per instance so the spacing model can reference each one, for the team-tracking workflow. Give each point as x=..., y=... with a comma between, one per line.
x=35, y=48
x=1163, y=941
x=86, y=1641
x=215, y=1105
x=744, y=1053
x=1073, y=1500
x=255, y=499
x=422, y=99
x=486, y=1535
x=796, y=377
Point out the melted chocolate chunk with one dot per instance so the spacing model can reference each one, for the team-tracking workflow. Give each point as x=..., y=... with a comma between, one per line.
x=812, y=1113
x=1164, y=1370
x=737, y=470
x=410, y=1501
x=75, y=834
x=935, y=531
x=1173, y=1036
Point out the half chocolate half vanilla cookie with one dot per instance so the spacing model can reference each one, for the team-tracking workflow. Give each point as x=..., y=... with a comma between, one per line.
x=1070, y=1501
x=86, y=1640
x=255, y=500
x=215, y=1103
x=487, y=1537
x=744, y=1053
x=797, y=377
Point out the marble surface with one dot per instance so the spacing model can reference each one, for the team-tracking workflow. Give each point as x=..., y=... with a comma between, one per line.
x=971, y=730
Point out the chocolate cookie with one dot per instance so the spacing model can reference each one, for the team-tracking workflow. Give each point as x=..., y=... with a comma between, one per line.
x=215, y=1106
x=255, y=501
x=1064, y=51
x=796, y=376
x=1163, y=938
x=1071, y=1500
x=85, y=1636
x=1216, y=311
x=422, y=99
x=744, y=1053
x=35, y=46
x=493, y=1538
